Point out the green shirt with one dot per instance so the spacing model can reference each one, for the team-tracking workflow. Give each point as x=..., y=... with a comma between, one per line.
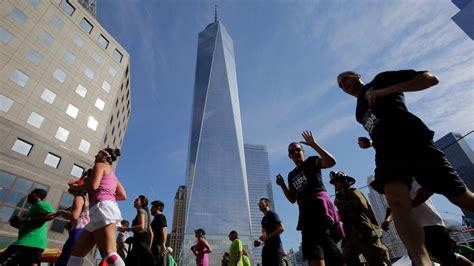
x=246, y=260
x=235, y=248
x=33, y=235
x=171, y=261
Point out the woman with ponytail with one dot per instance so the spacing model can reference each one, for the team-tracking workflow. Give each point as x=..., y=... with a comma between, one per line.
x=140, y=254
x=104, y=191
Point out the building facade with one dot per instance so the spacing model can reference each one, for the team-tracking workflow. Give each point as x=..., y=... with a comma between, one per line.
x=65, y=94
x=177, y=229
x=390, y=238
x=259, y=186
x=461, y=157
x=464, y=17
x=217, y=197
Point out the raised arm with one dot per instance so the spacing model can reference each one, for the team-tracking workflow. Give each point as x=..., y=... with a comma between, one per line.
x=77, y=206
x=120, y=193
x=326, y=160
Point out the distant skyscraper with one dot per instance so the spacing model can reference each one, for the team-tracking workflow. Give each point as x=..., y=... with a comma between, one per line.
x=259, y=186
x=217, y=197
x=89, y=5
x=390, y=238
x=177, y=229
x=461, y=156
x=64, y=95
x=465, y=17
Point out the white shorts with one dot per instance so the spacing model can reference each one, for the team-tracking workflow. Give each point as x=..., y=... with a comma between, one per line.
x=102, y=214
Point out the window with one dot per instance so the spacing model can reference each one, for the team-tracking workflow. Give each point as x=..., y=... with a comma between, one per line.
x=81, y=91
x=96, y=57
x=46, y=38
x=118, y=56
x=59, y=75
x=5, y=36
x=76, y=170
x=48, y=96
x=126, y=72
x=72, y=111
x=116, y=102
x=105, y=138
x=89, y=73
x=52, y=160
x=77, y=40
x=67, y=7
x=62, y=134
x=6, y=103
x=128, y=82
x=13, y=193
x=111, y=119
x=57, y=22
x=58, y=224
x=112, y=71
x=18, y=16
x=34, y=3
x=34, y=56
x=69, y=57
x=35, y=120
x=92, y=123
x=86, y=25
x=19, y=78
x=22, y=147
x=84, y=146
x=102, y=41
x=99, y=104
x=106, y=86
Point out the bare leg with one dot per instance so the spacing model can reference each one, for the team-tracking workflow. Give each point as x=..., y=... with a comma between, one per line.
x=83, y=245
x=408, y=229
x=464, y=201
x=105, y=238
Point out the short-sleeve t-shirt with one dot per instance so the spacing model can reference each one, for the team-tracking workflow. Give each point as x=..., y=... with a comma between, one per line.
x=158, y=223
x=234, y=249
x=306, y=179
x=34, y=236
x=269, y=224
x=147, y=219
x=389, y=117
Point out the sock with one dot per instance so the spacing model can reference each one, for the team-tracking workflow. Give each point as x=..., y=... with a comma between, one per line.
x=75, y=261
x=113, y=259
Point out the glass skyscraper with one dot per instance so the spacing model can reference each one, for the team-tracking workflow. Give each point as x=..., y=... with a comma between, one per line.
x=461, y=157
x=259, y=186
x=217, y=197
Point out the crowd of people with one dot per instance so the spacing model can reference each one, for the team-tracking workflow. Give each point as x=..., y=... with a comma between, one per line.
x=409, y=169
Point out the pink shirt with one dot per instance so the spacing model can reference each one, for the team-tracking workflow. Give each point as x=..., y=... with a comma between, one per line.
x=106, y=190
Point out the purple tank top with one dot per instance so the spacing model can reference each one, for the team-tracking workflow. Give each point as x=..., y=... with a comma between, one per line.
x=106, y=190
x=202, y=258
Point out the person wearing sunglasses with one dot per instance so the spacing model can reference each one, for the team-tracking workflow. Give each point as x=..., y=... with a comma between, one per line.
x=318, y=220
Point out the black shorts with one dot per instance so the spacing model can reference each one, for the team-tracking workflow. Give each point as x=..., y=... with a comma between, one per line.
x=317, y=245
x=424, y=163
x=438, y=244
x=21, y=255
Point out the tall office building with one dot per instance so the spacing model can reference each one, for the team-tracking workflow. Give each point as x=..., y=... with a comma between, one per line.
x=65, y=94
x=217, y=197
x=177, y=229
x=390, y=238
x=461, y=157
x=464, y=18
x=259, y=186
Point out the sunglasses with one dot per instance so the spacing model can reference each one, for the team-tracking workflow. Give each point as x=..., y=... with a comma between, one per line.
x=297, y=150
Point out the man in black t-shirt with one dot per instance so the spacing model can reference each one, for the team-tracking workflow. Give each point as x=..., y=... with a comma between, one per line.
x=160, y=232
x=404, y=149
x=271, y=230
x=317, y=214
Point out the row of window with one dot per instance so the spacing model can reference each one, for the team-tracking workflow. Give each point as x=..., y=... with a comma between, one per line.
x=87, y=27
x=20, y=18
x=36, y=120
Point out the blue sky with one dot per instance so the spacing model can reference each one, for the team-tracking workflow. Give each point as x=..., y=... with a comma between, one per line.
x=288, y=54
